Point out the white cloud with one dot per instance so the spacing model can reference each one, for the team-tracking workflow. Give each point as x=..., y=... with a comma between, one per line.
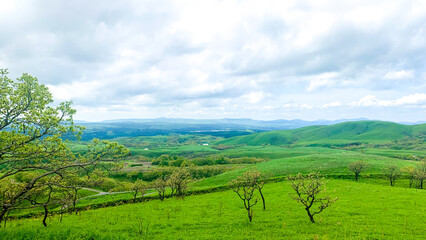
x=323, y=80
x=75, y=90
x=156, y=58
x=411, y=99
x=373, y=101
x=332, y=104
x=303, y=106
x=254, y=97
x=396, y=75
x=319, y=83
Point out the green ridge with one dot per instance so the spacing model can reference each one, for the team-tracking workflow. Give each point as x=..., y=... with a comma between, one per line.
x=345, y=133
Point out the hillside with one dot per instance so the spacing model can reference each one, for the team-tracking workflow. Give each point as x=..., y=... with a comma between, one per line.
x=343, y=133
x=385, y=213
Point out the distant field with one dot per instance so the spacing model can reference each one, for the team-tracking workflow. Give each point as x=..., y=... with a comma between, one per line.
x=323, y=160
x=363, y=211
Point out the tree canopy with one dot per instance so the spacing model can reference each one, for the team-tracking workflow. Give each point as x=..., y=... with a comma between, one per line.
x=33, y=155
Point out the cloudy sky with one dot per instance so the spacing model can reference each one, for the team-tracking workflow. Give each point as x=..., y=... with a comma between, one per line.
x=223, y=59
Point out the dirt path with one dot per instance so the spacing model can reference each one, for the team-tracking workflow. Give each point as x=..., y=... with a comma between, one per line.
x=100, y=193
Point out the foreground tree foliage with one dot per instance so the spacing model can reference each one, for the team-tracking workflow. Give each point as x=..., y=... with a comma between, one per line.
x=357, y=168
x=310, y=191
x=245, y=187
x=37, y=167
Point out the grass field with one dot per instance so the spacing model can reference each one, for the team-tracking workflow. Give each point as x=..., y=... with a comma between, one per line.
x=304, y=160
x=363, y=211
x=368, y=209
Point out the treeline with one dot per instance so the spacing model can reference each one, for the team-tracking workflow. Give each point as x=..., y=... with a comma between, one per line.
x=196, y=172
x=415, y=175
x=179, y=161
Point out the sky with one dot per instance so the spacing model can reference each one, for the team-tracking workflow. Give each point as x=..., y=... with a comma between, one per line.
x=223, y=59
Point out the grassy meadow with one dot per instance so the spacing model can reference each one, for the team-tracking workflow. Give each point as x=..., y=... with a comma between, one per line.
x=363, y=211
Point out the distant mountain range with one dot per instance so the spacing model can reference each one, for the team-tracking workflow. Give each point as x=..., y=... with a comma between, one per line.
x=227, y=127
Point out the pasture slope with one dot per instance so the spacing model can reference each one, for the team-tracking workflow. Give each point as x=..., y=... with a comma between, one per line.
x=363, y=211
x=347, y=132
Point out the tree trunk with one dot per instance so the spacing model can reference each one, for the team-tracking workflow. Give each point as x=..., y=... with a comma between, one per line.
x=311, y=217
x=46, y=212
x=161, y=193
x=356, y=176
x=249, y=214
x=263, y=199
x=2, y=213
x=5, y=219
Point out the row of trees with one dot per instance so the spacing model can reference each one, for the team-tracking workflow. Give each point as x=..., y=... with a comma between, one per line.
x=177, y=182
x=179, y=161
x=416, y=175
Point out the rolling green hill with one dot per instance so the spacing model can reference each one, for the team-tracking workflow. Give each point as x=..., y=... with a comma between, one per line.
x=342, y=133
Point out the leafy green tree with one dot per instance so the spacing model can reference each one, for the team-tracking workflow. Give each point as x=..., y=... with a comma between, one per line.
x=411, y=171
x=160, y=184
x=31, y=132
x=178, y=181
x=138, y=187
x=420, y=174
x=357, y=167
x=310, y=191
x=392, y=173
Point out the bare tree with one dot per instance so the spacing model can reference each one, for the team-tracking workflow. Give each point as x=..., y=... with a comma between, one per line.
x=357, y=167
x=245, y=189
x=392, y=173
x=308, y=192
x=258, y=180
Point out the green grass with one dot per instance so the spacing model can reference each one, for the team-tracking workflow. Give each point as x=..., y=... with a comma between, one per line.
x=363, y=211
x=323, y=160
x=343, y=133
x=401, y=154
